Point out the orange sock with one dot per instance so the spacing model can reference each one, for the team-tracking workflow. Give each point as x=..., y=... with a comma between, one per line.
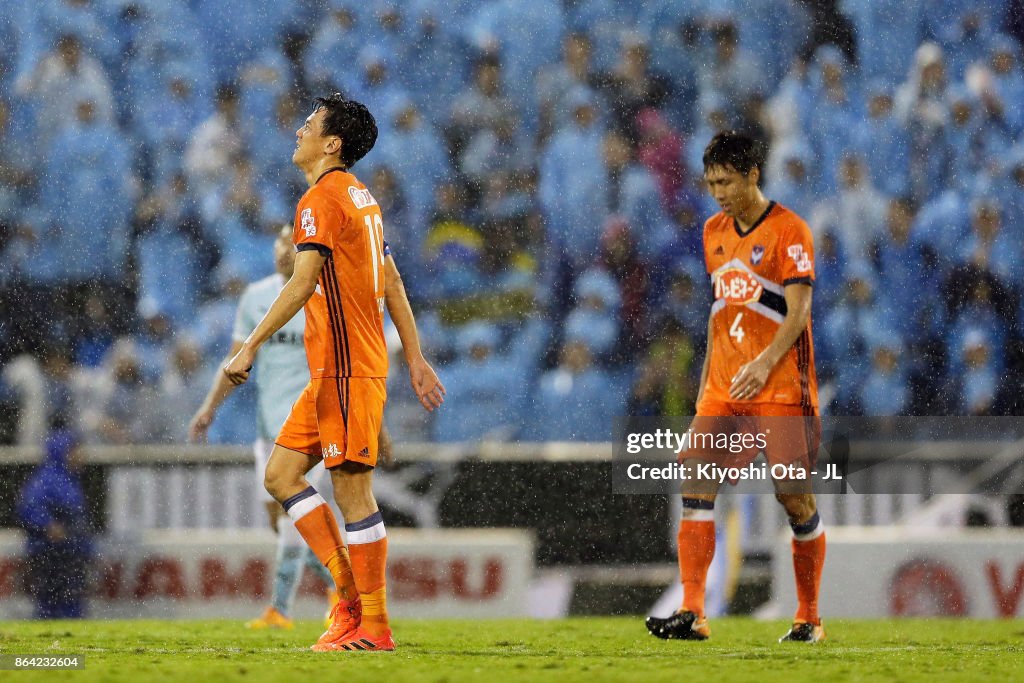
x=808, y=561
x=696, y=541
x=368, y=548
x=315, y=522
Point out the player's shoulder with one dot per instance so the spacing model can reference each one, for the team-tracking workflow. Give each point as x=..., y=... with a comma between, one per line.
x=341, y=191
x=785, y=218
x=716, y=223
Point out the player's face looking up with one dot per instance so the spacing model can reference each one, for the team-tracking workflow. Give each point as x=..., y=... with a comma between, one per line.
x=311, y=144
x=734, y=191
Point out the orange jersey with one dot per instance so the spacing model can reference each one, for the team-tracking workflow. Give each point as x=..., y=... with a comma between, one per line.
x=345, y=315
x=749, y=274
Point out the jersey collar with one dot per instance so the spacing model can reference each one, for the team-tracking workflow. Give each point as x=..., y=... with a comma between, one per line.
x=330, y=170
x=736, y=224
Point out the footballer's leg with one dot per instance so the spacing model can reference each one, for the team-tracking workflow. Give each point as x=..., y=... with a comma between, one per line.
x=808, y=561
x=793, y=439
x=297, y=451
x=350, y=441
x=696, y=549
x=696, y=536
x=368, y=548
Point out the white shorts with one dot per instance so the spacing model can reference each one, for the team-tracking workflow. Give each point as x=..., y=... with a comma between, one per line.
x=319, y=477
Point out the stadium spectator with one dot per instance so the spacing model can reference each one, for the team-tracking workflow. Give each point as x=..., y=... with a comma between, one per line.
x=417, y=156
x=58, y=545
x=633, y=192
x=620, y=259
x=95, y=200
x=575, y=401
x=555, y=81
x=856, y=215
x=481, y=405
x=216, y=141
x=129, y=408
x=789, y=182
x=633, y=85
x=48, y=387
x=660, y=151
x=833, y=117
x=570, y=180
x=990, y=248
x=975, y=377
x=480, y=106
x=731, y=72
x=171, y=252
x=595, y=320
x=882, y=140
x=885, y=391
x=921, y=104
x=59, y=82
x=665, y=383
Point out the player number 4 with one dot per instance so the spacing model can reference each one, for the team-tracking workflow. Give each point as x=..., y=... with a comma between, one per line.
x=735, y=330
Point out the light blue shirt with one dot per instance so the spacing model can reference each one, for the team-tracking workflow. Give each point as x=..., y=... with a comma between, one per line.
x=281, y=368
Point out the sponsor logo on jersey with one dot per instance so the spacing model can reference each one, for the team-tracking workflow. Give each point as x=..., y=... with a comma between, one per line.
x=737, y=287
x=365, y=453
x=307, y=222
x=720, y=251
x=361, y=197
x=756, y=254
x=800, y=258
x=332, y=451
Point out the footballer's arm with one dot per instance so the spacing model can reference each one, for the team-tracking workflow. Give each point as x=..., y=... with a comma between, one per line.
x=296, y=292
x=219, y=391
x=425, y=383
x=752, y=377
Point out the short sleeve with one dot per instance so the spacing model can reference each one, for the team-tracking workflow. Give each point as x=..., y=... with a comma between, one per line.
x=317, y=226
x=245, y=321
x=704, y=245
x=798, y=255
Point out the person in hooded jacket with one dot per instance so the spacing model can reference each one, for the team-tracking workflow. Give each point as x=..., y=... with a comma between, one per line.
x=58, y=546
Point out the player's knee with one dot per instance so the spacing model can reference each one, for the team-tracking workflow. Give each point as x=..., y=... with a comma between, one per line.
x=277, y=482
x=799, y=507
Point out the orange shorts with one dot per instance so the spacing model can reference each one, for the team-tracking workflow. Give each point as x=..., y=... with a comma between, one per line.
x=337, y=418
x=787, y=434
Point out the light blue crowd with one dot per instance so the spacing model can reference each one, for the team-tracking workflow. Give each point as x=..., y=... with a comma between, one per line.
x=539, y=170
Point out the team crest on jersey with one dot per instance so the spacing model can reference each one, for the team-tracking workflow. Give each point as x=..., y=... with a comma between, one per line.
x=756, y=255
x=332, y=451
x=307, y=222
x=800, y=258
x=737, y=286
x=361, y=197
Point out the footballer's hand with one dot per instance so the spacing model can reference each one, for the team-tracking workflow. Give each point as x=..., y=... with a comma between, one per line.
x=426, y=384
x=238, y=367
x=199, y=425
x=750, y=380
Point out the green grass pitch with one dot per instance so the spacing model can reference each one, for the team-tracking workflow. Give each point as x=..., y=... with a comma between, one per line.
x=581, y=649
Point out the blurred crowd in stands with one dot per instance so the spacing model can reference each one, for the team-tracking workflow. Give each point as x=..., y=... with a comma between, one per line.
x=539, y=170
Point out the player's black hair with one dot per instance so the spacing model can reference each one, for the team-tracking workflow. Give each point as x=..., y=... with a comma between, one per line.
x=352, y=122
x=731, y=148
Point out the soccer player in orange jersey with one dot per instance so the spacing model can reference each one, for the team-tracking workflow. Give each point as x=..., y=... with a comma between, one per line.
x=758, y=376
x=342, y=277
